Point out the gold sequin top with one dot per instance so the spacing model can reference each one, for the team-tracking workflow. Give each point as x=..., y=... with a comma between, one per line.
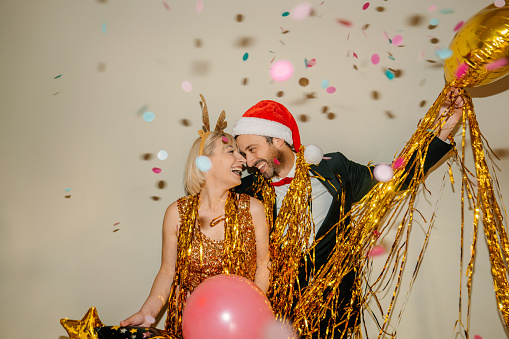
x=211, y=250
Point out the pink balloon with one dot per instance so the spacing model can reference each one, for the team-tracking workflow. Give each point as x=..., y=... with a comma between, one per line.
x=226, y=306
x=281, y=70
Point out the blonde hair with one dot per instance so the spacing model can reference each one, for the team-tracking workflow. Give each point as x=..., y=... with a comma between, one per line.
x=194, y=179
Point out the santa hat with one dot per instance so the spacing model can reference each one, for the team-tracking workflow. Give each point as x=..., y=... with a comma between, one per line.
x=272, y=119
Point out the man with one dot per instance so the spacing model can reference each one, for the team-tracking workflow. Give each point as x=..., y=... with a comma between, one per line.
x=268, y=137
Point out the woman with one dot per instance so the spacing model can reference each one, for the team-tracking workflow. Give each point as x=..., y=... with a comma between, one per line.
x=197, y=222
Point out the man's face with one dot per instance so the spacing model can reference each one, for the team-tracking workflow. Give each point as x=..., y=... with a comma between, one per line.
x=260, y=153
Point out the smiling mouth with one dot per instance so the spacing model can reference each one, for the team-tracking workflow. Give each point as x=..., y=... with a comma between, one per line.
x=237, y=171
x=260, y=165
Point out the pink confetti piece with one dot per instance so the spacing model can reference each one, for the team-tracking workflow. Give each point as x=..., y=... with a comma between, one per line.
x=348, y=36
x=462, y=70
x=375, y=59
x=331, y=89
x=166, y=5
x=421, y=54
x=186, y=86
x=156, y=170
x=276, y=161
x=458, y=26
x=301, y=11
x=311, y=62
x=281, y=70
x=397, y=40
x=326, y=158
x=385, y=36
x=477, y=336
x=496, y=64
x=398, y=163
x=225, y=139
x=365, y=6
x=355, y=55
x=199, y=5
x=432, y=8
x=376, y=251
x=344, y=22
x=115, y=224
x=376, y=233
x=499, y=3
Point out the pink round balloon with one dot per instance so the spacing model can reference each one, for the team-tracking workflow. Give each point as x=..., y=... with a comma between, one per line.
x=281, y=70
x=226, y=306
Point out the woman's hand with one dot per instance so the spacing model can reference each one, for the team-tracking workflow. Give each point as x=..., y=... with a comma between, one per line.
x=455, y=100
x=138, y=319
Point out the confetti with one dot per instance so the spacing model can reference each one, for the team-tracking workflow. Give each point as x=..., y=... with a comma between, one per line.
x=391, y=57
x=325, y=83
x=303, y=82
x=166, y=5
x=245, y=56
x=365, y=6
x=67, y=196
x=225, y=139
x=149, y=116
x=355, y=55
x=499, y=3
x=203, y=163
x=389, y=74
x=58, y=76
x=331, y=89
x=186, y=86
x=326, y=158
x=301, y=11
x=443, y=53
x=398, y=163
x=376, y=233
x=199, y=5
x=285, y=14
x=477, y=336
x=67, y=189
x=376, y=251
x=375, y=59
x=276, y=161
x=496, y=64
x=156, y=170
x=397, y=40
x=281, y=70
x=311, y=63
x=458, y=25
x=386, y=36
x=162, y=155
x=115, y=224
x=344, y=22
x=434, y=22
x=462, y=70
x=446, y=11
x=104, y=28
x=383, y=172
x=116, y=230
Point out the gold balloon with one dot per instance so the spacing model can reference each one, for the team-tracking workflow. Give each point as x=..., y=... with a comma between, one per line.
x=84, y=328
x=480, y=49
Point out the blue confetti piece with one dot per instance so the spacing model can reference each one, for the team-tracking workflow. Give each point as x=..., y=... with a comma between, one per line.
x=306, y=62
x=434, y=22
x=203, y=163
x=286, y=14
x=447, y=11
x=245, y=56
x=67, y=189
x=389, y=74
x=104, y=28
x=325, y=83
x=443, y=53
x=58, y=76
x=149, y=116
x=391, y=57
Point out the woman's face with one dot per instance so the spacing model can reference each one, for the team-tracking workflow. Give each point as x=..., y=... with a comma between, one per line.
x=226, y=164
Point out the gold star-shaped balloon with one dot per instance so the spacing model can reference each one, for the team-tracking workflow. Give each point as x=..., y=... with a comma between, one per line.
x=84, y=328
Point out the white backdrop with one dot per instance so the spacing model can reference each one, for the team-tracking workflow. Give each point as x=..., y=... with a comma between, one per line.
x=77, y=156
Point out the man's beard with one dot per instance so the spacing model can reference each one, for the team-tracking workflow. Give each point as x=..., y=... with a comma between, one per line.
x=273, y=169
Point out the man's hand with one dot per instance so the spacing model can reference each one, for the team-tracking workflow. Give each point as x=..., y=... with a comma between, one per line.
x=455, y=100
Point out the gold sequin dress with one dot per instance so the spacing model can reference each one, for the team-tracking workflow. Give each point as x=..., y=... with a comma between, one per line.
x=211, y=262
x=195, y=268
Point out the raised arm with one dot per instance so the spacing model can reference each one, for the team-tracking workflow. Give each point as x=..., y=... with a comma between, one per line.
x=161, y=287
x=453, y=98
x=262, y=244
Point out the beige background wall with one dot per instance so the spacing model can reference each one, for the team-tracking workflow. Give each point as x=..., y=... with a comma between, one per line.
x=117, y=59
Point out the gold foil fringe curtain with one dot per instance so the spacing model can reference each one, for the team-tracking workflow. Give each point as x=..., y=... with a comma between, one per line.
x=381, y=209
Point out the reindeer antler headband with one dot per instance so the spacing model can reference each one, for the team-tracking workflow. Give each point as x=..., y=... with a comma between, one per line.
x=205, y=131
